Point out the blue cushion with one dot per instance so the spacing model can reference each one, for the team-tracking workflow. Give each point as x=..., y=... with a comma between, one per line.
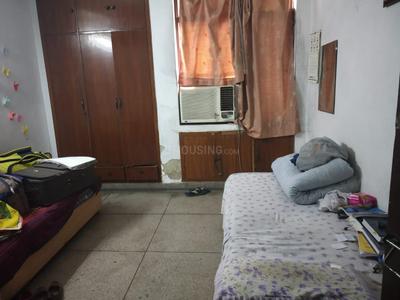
x=309, y=186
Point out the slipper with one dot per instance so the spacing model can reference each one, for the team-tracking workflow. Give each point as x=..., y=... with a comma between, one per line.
x=199, y=191
x=41, y=294
x=56, y=291
x=25, y=294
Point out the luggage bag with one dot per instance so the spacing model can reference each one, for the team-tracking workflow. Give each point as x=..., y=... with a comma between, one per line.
x=47, y=183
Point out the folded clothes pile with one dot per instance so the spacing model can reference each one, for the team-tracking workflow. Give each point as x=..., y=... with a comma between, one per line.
x=320, y=166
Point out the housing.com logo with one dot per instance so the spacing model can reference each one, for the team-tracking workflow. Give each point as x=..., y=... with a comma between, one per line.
x=208, y=150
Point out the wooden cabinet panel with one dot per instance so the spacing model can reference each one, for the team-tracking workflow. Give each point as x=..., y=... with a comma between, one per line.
x=213, y=156
x=111, y=174
x=267, y=150
x=234, y=158
x=96, y=15
x=135, y=91
x=143, y=174
x=63, y=62
x=198, y=156
x=101, y=93
x=394, y=199
x=391, y=283
x=56, y=17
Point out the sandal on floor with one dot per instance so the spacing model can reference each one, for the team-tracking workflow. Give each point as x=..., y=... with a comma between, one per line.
x=199, y=191
x=56, y=291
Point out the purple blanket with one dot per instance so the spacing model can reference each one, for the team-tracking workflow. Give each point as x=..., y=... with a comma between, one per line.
x=38, y=228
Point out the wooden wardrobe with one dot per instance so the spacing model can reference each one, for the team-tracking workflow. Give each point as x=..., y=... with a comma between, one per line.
x=99, y=68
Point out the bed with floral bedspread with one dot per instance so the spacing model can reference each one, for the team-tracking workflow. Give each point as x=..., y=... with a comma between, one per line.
x=276, y=249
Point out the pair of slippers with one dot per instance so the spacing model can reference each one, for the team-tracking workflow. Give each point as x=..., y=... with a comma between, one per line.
x=199, y=191
x=54, y=292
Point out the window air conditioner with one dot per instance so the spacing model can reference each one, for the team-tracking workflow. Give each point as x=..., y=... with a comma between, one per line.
x=214, y=104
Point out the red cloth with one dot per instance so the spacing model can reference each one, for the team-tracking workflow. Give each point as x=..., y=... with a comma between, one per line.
x=38, y=228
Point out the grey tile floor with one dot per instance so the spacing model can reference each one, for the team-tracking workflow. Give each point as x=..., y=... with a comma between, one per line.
x=142, y=245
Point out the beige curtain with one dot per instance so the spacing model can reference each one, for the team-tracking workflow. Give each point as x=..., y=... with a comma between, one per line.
x=264, y=32
x=247, y=41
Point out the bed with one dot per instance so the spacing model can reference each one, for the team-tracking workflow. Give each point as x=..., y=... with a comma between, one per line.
x=45, y=231
x=274, y=248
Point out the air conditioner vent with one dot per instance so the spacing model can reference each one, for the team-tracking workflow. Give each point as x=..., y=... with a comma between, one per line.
x=208, y=104
x=226, y=98
x=199, y=106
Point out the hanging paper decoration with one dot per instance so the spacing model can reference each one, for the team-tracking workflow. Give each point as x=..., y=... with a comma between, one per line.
x=25, y=130
x=6, y=72
x=5, y=101
x=16, y=86
x=11, y=115
x=19, y=118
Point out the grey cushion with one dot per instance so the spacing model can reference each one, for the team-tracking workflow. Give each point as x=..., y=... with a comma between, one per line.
x=309, y=186
x=319, y=151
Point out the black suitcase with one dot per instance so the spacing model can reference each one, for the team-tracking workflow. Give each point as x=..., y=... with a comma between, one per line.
x=47, y=183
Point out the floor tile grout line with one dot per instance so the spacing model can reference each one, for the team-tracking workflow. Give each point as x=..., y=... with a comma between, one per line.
x=187, y=252
x=134, y=275
x=169, y=201
x=145, y=252
x=159, y=214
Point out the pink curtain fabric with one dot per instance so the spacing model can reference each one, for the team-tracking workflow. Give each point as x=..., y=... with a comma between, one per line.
x=205, y=42
x=265, y=28
x=248, y=42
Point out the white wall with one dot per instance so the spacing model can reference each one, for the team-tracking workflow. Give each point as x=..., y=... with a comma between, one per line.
x=17, y=35
x=367, y=82
x=162, y=23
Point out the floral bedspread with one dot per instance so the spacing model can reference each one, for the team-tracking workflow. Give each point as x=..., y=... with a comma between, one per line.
x=276, y=249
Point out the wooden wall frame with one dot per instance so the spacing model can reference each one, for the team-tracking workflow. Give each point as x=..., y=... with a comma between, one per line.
x=327, y=86
x=387, y=3
x=390, y=282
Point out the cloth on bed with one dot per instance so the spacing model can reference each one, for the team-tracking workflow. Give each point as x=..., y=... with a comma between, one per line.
x=310, y=186
x=264, y=229
x=318, y=152
x=333, y=200
x=38, y=228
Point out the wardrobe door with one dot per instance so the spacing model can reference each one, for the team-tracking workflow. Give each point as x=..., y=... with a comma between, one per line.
x=135, y=90
x=98, y=64
x=63, y=62
x=112, y=15
x=56, y=17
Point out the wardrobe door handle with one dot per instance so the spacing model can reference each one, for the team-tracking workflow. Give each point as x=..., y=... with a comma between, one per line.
x=118, y=103
x=108, y=7
x=218, y=165
x=83, y=106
